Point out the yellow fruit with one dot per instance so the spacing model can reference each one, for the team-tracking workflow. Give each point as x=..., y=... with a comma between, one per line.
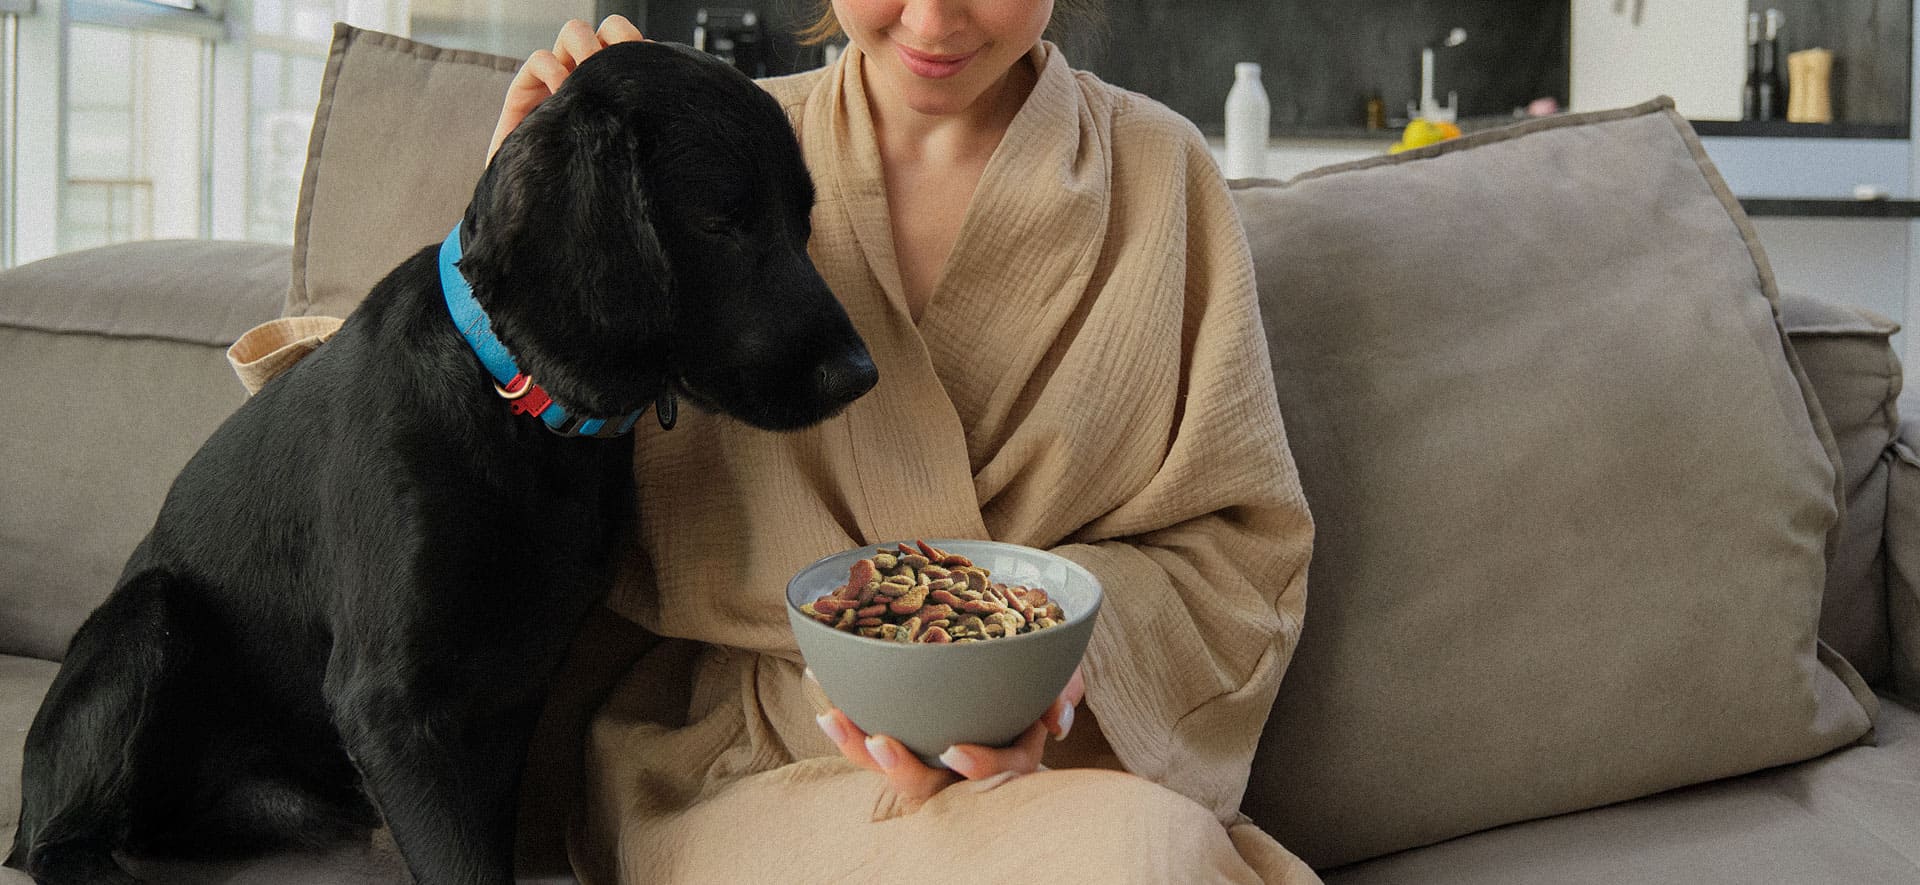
x=1421, y=133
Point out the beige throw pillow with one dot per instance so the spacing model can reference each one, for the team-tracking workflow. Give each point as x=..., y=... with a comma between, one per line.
x=1574, y=498
x=399, y=140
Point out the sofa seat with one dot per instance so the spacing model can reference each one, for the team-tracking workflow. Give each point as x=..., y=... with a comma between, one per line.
x=1844, y=817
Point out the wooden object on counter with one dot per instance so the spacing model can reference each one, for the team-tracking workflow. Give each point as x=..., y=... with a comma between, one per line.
x=1809, y=92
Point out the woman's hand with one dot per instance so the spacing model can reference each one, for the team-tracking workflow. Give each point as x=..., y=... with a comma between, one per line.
x=544, y=71
x=916, y=782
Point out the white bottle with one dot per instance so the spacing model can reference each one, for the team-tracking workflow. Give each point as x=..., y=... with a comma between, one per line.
x=1247, y=113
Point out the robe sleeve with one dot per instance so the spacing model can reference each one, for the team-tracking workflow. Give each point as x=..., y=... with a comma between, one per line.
x=1205, y=565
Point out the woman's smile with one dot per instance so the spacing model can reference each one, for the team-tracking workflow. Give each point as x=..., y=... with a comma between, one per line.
x=933, y=66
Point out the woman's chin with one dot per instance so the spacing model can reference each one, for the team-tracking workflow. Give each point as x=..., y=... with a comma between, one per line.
x=938, y=101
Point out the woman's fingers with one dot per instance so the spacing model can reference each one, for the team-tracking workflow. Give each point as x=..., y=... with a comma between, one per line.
x=539, y=78
x=545, y=70
x=1059, y=717
x=576, y=43
x=543, y=73
x=917, y=781
x=1023, y=757
x=616, y=29
x=911, y=778
x=851, y=741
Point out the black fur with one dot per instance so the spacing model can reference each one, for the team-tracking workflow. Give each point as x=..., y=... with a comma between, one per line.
x=357, y=591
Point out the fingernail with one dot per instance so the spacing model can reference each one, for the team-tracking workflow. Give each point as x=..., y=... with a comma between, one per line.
x=1066, y=723
x=955, y=759
x=831, y=726
x=881, y=752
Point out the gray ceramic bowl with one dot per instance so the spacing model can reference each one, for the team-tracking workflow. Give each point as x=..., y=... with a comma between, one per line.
x=931, y=697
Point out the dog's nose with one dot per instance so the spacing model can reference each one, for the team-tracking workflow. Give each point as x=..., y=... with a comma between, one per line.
x=844, y=377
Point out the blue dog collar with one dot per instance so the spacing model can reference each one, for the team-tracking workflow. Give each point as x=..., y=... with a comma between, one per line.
x=526, y=397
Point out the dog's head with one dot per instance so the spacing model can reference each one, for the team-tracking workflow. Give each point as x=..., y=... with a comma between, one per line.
x=644, y=231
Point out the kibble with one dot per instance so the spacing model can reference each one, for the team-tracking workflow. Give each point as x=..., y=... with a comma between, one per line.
x=924, y=594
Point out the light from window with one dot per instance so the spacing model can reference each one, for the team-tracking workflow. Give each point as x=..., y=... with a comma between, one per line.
x=285, y=87
x=133, y=151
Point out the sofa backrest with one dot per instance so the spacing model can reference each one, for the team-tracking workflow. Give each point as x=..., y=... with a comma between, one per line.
x=402, y=126
x=1849, y=358
x=115, y=360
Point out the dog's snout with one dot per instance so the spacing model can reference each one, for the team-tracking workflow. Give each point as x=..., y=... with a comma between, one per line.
x=845, y=376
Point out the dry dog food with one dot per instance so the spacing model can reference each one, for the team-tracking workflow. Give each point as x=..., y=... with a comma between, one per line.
x=925, y=594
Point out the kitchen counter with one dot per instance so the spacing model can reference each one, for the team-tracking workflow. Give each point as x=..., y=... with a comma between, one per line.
x=1709, y=128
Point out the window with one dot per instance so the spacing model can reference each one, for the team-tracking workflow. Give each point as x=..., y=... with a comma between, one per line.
x=284, y=87
x=286, y=58
x=503, y=28
x=135, y=146
x=10, y=11
x=198, y=18
x=134, y=119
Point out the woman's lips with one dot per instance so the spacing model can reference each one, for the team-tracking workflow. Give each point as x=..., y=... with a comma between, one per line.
x=933, y=67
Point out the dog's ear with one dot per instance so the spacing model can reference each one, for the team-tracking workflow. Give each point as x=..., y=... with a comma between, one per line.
x=561, y=251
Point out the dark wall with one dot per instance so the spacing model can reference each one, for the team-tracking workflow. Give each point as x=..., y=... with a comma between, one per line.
x=674, y=20
x=1872, y=43
x=1321, y=60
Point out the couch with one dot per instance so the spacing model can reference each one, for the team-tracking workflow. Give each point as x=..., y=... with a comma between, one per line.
x=1618, y=572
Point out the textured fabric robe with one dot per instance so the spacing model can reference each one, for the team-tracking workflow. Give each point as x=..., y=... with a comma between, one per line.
x=1090, y=377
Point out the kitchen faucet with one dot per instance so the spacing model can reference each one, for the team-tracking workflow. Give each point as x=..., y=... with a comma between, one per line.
x=1429, y=107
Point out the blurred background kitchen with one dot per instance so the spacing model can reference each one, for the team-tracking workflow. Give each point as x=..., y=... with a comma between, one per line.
x=138, y=119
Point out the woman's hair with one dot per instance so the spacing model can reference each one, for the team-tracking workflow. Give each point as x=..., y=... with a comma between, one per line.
x=1068, y=15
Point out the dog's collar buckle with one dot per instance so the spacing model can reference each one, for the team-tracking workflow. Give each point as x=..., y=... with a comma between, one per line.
x=520, y=386
x=513, y=385
x=526, y=396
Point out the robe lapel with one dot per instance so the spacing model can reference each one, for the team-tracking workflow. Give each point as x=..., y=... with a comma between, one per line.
x=908, y=447
x=1026, y=251
x=855, y=165
x=1022, y=268
x=1036, y=219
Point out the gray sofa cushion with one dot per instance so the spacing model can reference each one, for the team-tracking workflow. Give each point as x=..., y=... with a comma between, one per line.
x=1903, y=563
x=1574, y=497
x=1848, y=358
x=1847, y=817
x=115, y=360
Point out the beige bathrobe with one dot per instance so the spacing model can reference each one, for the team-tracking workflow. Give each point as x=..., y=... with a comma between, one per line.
x=1089, y=377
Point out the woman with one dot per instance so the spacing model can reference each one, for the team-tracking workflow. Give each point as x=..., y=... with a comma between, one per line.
x=1053, y=283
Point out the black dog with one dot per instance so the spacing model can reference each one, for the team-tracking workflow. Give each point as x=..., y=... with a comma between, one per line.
x=357, y=592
